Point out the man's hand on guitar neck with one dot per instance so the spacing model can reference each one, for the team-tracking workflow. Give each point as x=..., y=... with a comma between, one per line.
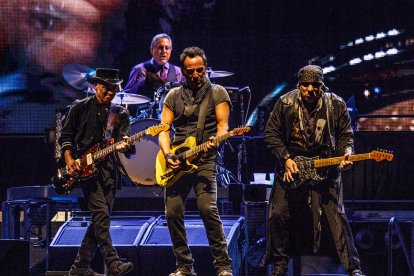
x=290, y=169
x=71, y=164
x=345, y=164
x=210, y=144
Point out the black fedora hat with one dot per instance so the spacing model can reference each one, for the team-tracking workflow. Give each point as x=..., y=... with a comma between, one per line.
x=106, y=76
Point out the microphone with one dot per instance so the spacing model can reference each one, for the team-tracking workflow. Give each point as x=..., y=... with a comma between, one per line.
x=246, y=88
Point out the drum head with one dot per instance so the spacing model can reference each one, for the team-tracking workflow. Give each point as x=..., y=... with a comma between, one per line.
x=140, y=169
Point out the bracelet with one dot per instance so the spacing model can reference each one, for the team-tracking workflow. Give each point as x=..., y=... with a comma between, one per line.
x=168, y=156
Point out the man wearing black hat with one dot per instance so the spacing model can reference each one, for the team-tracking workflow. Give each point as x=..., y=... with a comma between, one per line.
x=94, y=120
x=308, y=121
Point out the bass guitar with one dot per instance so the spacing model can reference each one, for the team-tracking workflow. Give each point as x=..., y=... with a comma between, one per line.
x=63, y=182
x=186, y=152
x=308, y=166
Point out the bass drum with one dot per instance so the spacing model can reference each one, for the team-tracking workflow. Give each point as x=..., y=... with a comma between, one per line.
x=140, y=169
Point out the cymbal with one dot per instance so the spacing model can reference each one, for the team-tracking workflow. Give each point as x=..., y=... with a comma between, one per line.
x=128, y=98
x=218, y=74
x=76, y=75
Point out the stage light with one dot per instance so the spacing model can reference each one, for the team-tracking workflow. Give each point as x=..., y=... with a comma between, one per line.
x=355, y=61
x=350, y=44
x=377, y=90
x=392, y=51
x=380, y=35
x=366, y=93
x=359, y=41
x=368, y=57
x=393, y=32
x=369, y=38
x=379, y=54
x=328, y=69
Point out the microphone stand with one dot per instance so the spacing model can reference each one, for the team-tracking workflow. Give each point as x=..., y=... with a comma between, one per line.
x=242, y=154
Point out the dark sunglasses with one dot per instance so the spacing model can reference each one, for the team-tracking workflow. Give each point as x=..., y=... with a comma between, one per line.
x=314, y=84
x=198, y=70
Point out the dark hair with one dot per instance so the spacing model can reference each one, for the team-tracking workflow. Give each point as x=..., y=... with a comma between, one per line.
x=192, y=52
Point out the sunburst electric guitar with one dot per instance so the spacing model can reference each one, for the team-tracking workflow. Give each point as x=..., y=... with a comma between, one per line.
x=186, y=152
x=308, y=166
x=63, y=182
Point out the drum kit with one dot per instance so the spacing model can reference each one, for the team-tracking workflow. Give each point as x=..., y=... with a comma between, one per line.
x=139, y=169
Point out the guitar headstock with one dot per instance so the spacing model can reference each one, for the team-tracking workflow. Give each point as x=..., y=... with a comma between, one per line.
x=154, y=130
x=239, y=130
x=380, y=154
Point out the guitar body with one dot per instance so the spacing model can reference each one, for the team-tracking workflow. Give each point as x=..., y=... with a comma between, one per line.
x=166, y=176
x=311, y=168
x=307, y=172
x=64, y=183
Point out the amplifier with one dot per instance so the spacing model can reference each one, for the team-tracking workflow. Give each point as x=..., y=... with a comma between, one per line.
x=156, y=253
x=126, y=233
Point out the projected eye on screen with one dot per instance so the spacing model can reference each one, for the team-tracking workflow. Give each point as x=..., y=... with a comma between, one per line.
x=37, y=38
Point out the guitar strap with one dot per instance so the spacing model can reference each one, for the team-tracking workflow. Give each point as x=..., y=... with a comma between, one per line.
x=111, y=122
x=202, y=116
x=329, y=119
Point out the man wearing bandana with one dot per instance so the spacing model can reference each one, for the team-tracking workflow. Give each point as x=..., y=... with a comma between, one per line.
x=309, y=121
x=183, y=106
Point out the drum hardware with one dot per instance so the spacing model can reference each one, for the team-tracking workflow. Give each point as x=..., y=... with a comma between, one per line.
x=242, y=154
x=129, y=98
x=217, y=74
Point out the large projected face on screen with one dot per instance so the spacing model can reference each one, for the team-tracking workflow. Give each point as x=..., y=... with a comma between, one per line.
x=37, y=38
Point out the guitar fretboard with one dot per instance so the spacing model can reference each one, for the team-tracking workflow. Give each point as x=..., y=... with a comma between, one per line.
x=200, y=147
x=319, y=163
x=112, y=148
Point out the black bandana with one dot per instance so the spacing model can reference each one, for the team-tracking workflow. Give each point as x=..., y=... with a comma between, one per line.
x=187, y=94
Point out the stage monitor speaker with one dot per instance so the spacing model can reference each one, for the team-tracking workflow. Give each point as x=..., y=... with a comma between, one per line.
x=14, y=257
x=126, y=233
x=156, y=253
x=371, y=240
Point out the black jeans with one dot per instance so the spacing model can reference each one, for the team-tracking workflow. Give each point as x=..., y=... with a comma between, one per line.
x=100, y=201
x=281, y=206
x=203, y=181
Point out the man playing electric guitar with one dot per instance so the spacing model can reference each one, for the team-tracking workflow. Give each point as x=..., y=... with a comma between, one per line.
x=91, y=121
x=303, y=120
x=200, y=109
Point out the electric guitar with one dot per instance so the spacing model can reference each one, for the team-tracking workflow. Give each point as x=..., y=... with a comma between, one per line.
x=187, y=152
x=308, y=166
x=63, y=182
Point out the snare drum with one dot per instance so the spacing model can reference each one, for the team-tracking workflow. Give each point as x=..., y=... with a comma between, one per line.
x=140, y=169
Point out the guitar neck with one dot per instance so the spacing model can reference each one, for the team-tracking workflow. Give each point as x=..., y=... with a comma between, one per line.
x=112, y=148
x=319, y=163
x=200, y=147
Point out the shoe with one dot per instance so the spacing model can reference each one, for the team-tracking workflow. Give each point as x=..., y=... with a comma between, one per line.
x=357, y=272
x=184, y=271
x=74, y=271
x=225, y=272
x=118, y=268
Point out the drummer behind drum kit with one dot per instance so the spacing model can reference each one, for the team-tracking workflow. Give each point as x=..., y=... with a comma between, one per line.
x=145, y=113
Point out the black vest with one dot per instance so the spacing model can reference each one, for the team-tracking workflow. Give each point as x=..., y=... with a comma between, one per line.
x=153, y=81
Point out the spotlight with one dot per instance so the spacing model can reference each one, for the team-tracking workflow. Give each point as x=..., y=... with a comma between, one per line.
x=368, y=57
x=380, y=35
x=377, y=90
x=392, y=51
x=393, y=32
x=355, y=61
x=366, y=93
x=359, y=41
x=380, y=54
x=369, y=38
